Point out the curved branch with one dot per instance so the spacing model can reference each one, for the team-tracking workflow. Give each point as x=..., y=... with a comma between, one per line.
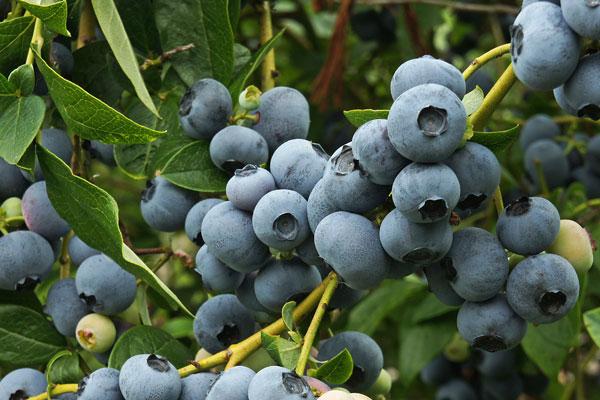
x=485, y=58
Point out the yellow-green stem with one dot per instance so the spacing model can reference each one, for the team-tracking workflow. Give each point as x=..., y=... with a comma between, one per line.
x=485, y=58
x=87, y=24
x=541, y=179
x=498, y=201
x=493, y=99
x=65, y=260
x=37, y=41
x=313, y=328
x=266, y=33
x=57, y=390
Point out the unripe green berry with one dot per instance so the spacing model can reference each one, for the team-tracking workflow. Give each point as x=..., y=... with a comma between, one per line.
x=336, y=394
x=573, y=243
x=96, y=333
x=250, y=98
x=259, y=360
x=12, y=207
x=382, y=385
x=458, y=350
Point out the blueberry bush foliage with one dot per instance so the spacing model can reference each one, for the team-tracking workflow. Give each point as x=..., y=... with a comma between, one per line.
x=293, y=199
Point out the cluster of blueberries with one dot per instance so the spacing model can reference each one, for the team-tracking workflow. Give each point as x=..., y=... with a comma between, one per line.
x=482, y=375
x=557, y=159
x=546, y=47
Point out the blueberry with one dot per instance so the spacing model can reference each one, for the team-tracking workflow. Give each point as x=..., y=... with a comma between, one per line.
x=105, y=286
x=346, y=297
x=196, y=386
x=308, y=253
x=582, y=90
x=79, y=251
x=40, y=216
x=232, y=384
x=505, y=388
x=277, y=383
x=229, y=236
x=102, y=383
x=61, y=59
x=248, y=185
x=194, y=218
x=573, y=243
x=439, y=285
x=551, y=160
x=478, y=172
x=543, y=288
x=529, y=2
x=366, y=355
x=236, y=146
x=165, y=206
x=149, y=376
x=542, y=41
x=399, y=270
x=283, y=115
x=528, y=225
x=105, y=153
x=350, y=244
x=13, y=183
x=476, y=265
x=347, y=185
x=222, y=321
x=424, y=70
x=280, y=219
x=426, y=193
x=561, y=100
x=456, y=389
x=413, y=243
x=22, y=383
x=538, y=127
x=375, y=153
x=96, y=333
x=298, y=165
x=319, y=206
x=427, y=123
x=25, y=259
x=65, y=307
x=205, y=109
x=247, y=295
x=592, y=158
x=583, y=16
x=285, y=280
x=438, y=371
x=590, y=181
x=216, y=276
x=491, y=325
x=498, y=364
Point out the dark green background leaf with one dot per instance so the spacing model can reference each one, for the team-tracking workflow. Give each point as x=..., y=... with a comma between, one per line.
x=15, y=36
x=359, y=117
x=496, y=141
x=53, y=14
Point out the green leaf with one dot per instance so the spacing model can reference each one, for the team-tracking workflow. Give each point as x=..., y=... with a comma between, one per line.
x=23, y=79
x=90, y=117
x=6, y=87
x=548, y=345
x=148, y=340
x=192, y=168
x=496, y=141
x=241, y=57
x=420, y=343
x=336, y=370
x=27, y=337
x=370, y=312
x=287, y=313
x=25, y=298
x=66, y=369
x=239, y=82
x=53, y=14
x=359, y=117
x=473, y=100
x=179, y=327
x=234, y=8
x=116, y=36
x=430, y=307
x=284, y=352
x=204, y=23
x=138, y=19
x=591, y=320
x=20, y=121
x=94, y=216
x=15, y=36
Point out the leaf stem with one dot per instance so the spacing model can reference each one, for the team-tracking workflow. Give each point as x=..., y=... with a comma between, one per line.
x=485, y=58
x=313, y=328
x=37, y=41
x=493, y=99
x=268, y=70
x=167, y=55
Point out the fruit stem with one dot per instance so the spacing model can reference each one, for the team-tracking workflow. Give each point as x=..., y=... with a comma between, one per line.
x=37, y=40
x=238, y=352
x=580, y=208
x=64, y=259
x=498, y=201
x=167, y=55
x=493, y=99
x=313, y=328
x=541, y=178
x=268, y=70
x=57, y=390
x=485, y=58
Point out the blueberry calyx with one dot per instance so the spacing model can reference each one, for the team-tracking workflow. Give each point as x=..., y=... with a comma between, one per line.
x=232, y=165
x=158, y=363
x=344, y=163
x=491, y=343
x=449, y=270
x=518, y=207
x=148, y=193
x=89, y=300
x=552, y=301
x=27, y=283
x=592, y=3
x=294, y=384
x=18, y=395
x=229, y=334
x=433, y=121
x=433, y=209
x=285, y=227
x=472, y=201
x=589, y=110
x=246, y=171
x=357, y=377
x=82, y=385
x=185, y=106
x=319, y=150
x=419, y=256
x=516, y=33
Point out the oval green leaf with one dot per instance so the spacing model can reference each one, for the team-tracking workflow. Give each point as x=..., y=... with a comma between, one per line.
x=337, y=370
x=53, y=14
x=359, y=117
x=496, y=141
x=15, y=36
x=20, y=121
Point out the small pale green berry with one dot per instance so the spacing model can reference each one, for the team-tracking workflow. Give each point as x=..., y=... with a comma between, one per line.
x=96, y=333
x=382, y=385
x=250, y=98
x=573, y=244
